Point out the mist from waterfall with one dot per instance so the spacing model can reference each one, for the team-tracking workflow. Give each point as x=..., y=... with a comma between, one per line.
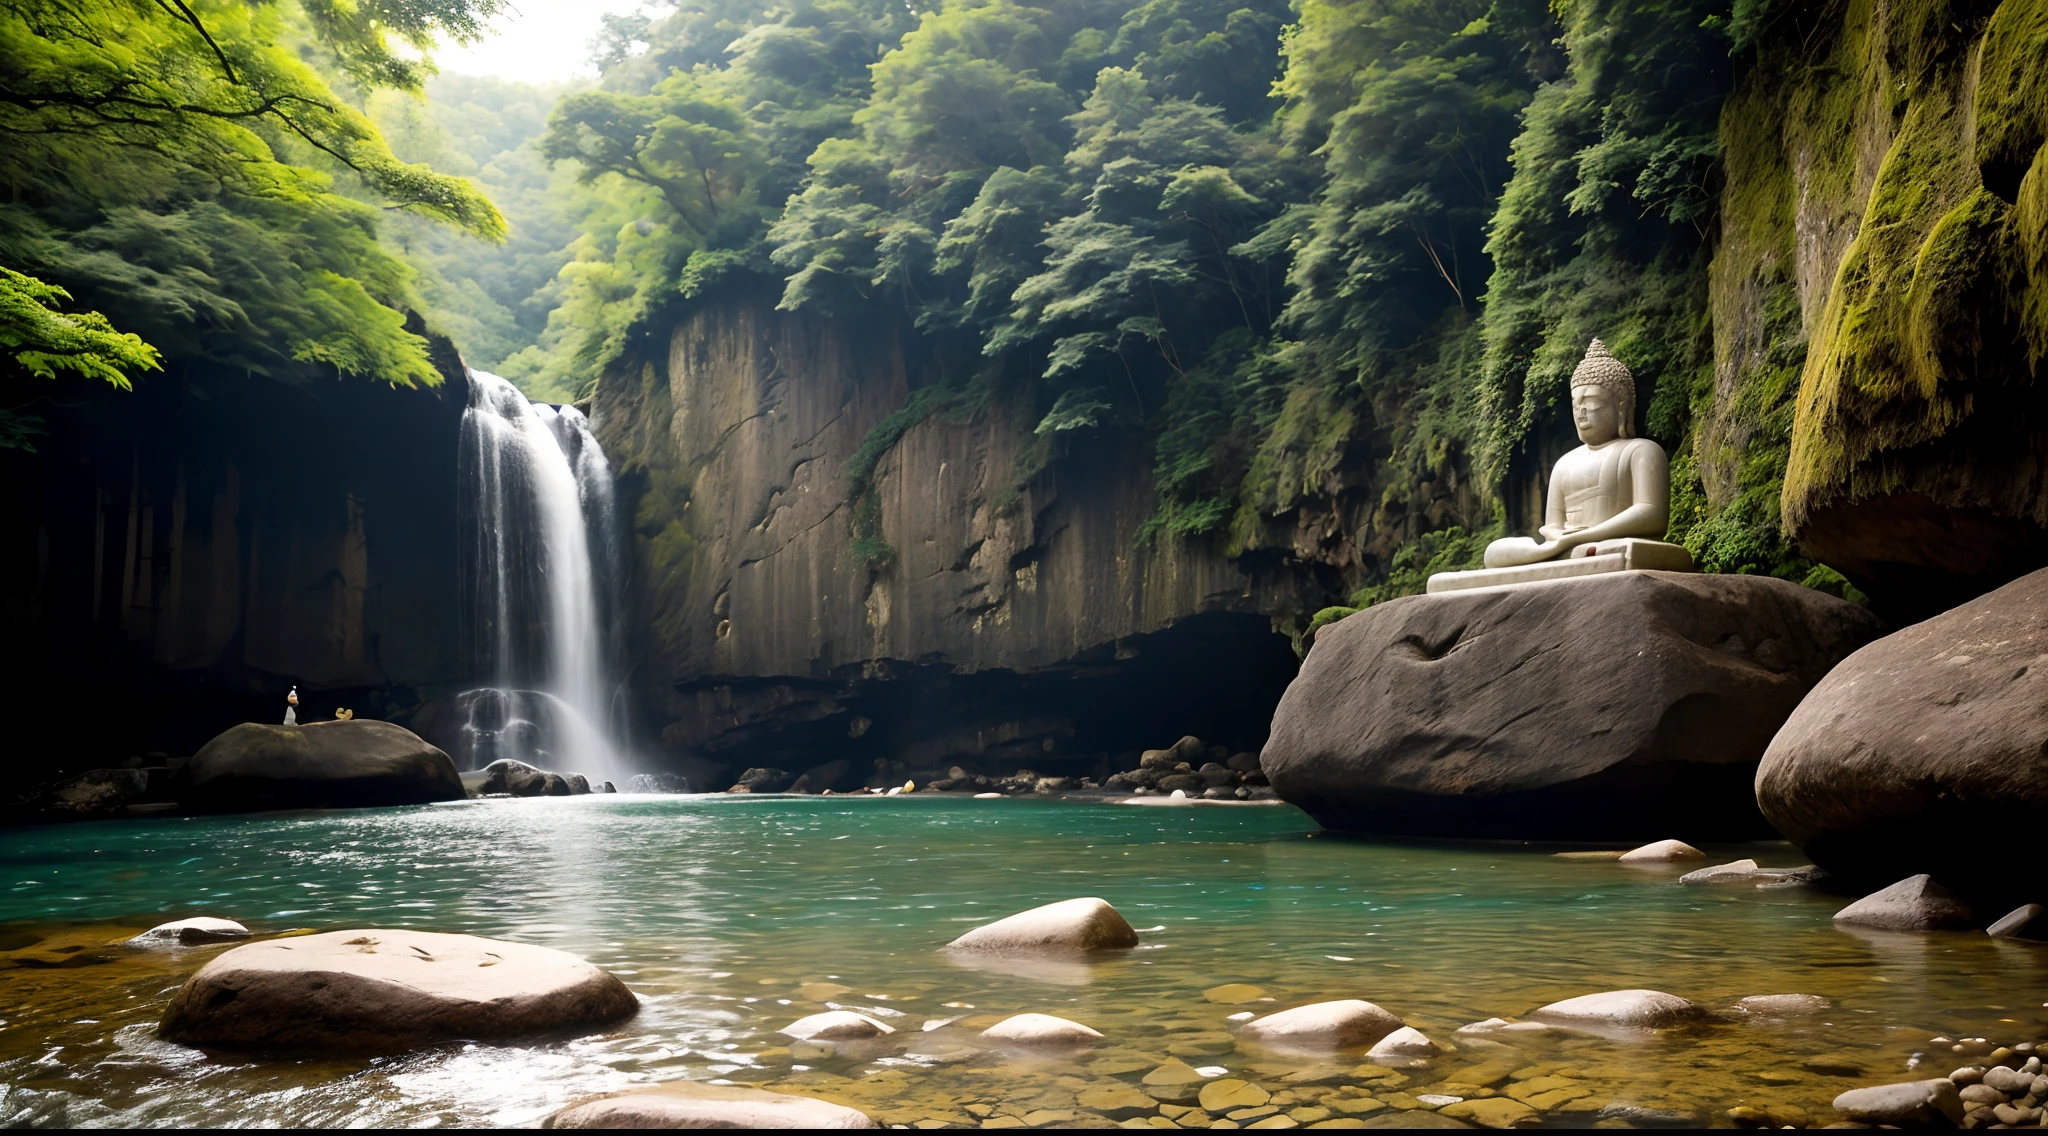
x=541, y=585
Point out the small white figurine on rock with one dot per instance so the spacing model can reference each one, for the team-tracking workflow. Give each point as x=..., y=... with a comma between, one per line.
x=291, y=707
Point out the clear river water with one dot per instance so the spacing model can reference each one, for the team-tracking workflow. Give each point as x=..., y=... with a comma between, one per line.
x=731, y=917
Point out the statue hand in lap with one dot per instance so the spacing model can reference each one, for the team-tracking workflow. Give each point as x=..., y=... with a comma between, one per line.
x=1614, y=485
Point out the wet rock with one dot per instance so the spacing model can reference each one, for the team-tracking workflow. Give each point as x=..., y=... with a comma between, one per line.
x=607, y=787
x=836, y=1025
x=186, y=932
x=690, y=1104
x=1404, y=1042
x=1913, y=904
x=578, y=784
x=1180, y=783
x=1912, y=1102
x=1740, y=870
x=1227, y=1093
x=1642, y=1116
x=1981, y=1093
x=2029, y=921
x=1324, y=1025
x=1118, y=1102
x=2011, y=1082
x=1664, y=852
x=1071, y=926
x=388, y=990
x=352, y=764
x=1493, y=1112
x=1633, y=1009
x=1785, y=1005
x=657, y=783
x=97, y=793
x=1399, y=720
x=1040, y=1031
x=1190, y=750
x=763, y=780
x=818, y=778
x=1922, y=754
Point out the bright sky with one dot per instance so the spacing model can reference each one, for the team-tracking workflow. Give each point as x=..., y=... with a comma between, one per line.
x=537, y=41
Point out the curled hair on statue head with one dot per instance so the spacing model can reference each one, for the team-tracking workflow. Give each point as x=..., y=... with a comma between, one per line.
x=1602, y=370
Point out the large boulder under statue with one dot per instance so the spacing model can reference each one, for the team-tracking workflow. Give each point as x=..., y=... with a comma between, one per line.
x=354, y=764
x=1623, y=706
x=1926, y=752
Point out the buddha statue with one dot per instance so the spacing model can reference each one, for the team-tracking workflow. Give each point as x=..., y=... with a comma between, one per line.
x=1609, y=501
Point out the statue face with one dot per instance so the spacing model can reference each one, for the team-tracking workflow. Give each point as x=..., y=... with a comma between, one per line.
x=1596, y=414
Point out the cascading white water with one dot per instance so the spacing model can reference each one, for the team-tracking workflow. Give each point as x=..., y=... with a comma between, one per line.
x=541, y=574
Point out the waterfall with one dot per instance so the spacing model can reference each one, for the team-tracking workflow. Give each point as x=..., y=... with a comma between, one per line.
x=540, y=582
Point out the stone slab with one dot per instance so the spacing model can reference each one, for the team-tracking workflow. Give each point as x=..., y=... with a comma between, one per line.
x=1625, y=555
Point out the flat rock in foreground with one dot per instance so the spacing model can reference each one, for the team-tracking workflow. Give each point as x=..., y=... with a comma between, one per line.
x=1926, y=751
x=690, y=1104
x=1619, y=707
x=357, y=764
x=384, y=990
x=1071, y=926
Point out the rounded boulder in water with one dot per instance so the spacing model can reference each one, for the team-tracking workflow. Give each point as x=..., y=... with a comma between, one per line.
x=355, y=764
x=388, y=990
x=1631, y=1009
x=1071, y=926
x=1041, y=1031
x=1341, y=1024
x=691, y=1104
x=836, y=1025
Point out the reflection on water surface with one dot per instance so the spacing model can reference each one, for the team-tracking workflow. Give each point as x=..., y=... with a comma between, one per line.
x=720, y=912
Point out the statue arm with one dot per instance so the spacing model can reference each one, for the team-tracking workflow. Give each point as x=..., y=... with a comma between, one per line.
x=1553, y=512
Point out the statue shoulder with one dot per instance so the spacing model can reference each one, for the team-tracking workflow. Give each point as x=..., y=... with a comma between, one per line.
x=1633, y=449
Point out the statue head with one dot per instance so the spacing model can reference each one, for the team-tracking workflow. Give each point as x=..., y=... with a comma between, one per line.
x=1603, y=397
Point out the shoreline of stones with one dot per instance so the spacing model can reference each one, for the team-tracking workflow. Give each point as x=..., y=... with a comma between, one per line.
x=1914, y=904
x=385, y=990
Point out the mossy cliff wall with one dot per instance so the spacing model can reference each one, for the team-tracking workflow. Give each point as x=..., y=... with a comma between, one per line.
x=1880, y=293
x=975, y=604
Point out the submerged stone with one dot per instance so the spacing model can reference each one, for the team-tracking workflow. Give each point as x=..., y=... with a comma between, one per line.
x=388, y=990
x=2028, y=921
x=1404, y=1042
x=689, y=1104
x=1785, y=1005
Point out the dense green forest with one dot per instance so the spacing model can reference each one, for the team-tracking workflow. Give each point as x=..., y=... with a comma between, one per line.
x=1269, y=241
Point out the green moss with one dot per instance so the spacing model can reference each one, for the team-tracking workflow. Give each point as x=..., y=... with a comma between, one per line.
x=868, y=546
x=1301, y=455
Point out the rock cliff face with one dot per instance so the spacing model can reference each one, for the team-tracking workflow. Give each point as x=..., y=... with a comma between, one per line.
x=1880, y=289
x=178, y=557
x=1013, y=618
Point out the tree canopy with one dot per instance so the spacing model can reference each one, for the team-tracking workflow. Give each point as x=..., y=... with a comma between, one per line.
x=190, y=167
